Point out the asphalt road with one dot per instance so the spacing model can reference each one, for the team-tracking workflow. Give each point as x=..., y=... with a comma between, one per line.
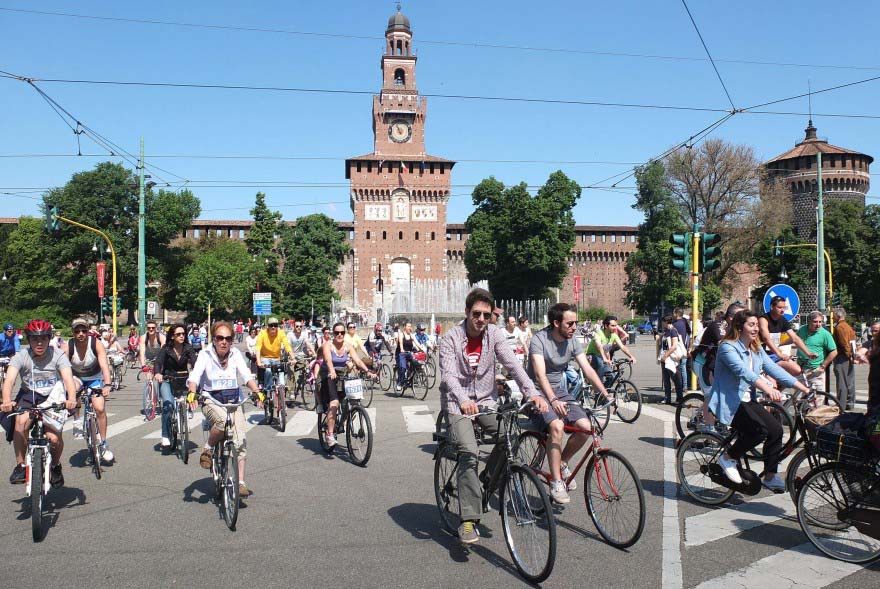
x=321, y=521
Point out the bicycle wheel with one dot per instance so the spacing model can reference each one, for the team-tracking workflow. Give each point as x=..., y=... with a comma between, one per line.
x=530, y=533
x=175, y=427
x=788, y=432
x=446, y=487
x=799, y=467
x=91, y=431
x=322, y=433
x=695, y=455
x=359, y=435
x=37, y=475
x=184, y=433
x=689, y=414
x=230, y=487
x=385, y=377
x=308, y=396
x=629, y=400
x=369, y=385
x=529, y=448
x=420, y=383
x=838, y=509
x=615, y=499
x=431, y=373
x=281, y=407
x=626, y=370
x=603, y=416
x=149, y=407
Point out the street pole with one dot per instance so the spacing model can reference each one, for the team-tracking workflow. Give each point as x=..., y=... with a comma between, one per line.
x=695, y=272
x=820, y=238
x=142, y=257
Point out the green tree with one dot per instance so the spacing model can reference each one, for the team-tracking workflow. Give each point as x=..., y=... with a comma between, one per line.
x=313, y=249
x=800, y=263
x=518, y=242
x=222, y=274
x=651, y=283
x=852, y=238
x=262, y=243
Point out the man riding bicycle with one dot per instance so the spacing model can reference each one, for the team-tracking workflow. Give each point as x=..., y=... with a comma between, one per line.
x=375, y=341
x=88, y=360
x=468, y=353
x=10, y=342
x=44, y=371
x=602, y=346
x=268, y=348
x=302, y=348
x=550, y=352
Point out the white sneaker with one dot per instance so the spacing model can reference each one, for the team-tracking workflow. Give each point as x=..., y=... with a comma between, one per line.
x=106, y=453
x=730, y=470
x=398, y=388
x=558, y=493
x=331, y=440
x=166, y=443
x=77, y=430
x=776, y=484
x=566, y=472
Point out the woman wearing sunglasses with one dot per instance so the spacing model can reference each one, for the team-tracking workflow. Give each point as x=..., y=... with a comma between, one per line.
x=339, y=356
x=173, y=364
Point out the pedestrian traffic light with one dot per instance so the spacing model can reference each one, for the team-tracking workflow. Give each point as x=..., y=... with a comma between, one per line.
x=680, y=252
x=710, y=256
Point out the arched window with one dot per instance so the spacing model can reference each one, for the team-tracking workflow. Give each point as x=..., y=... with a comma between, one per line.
x=399, y=77
x=400, y=235
x=384, y=235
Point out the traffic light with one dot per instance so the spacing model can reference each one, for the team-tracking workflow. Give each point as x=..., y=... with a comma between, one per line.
x=835, y=298
x=777, y=247
x=53, y=225
x=107, y=306
x=710, y=256
x=680, y=252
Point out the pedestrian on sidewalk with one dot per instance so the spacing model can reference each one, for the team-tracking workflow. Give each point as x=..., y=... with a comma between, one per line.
x=821, y=348
x=670, y=364
x=844, y=369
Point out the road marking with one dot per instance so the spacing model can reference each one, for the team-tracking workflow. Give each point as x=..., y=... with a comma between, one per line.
x=726, y=521
x=371, y=413
x=253, y=418
x=300, y=424
x=801, y=566
x=418, y=418
x=671, y=577
x=114, y=429
x=68, y=425
x=193, y=422
x=664, y=416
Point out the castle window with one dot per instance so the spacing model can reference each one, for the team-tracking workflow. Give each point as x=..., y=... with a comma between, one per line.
x=219, y=233
x=632, y=238
x=350, y=235
x=448, y=236
x=603, y=238
x=368, y=235
x=432, y=236
x=417, y=235
x=459, y=236
x=400, y=235
x=384, y=235
x=358, y=166
x=432, y=168
x=241, y=233
x=369, y=167
x=593, y=237
x=442, y=169
x=833, y=159
x=195, y=233
x=399, y=77
x=613, y=238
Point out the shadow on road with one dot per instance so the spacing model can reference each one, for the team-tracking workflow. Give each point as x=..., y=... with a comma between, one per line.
x=53, y=503
x=204, y=487
x=655, y=440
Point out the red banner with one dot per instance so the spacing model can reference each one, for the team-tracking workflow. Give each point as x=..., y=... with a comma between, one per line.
x=577, y=289
x=101, y=272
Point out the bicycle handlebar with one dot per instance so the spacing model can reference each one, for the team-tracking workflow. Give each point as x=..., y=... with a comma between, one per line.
x=207, y=398
x=52, y=407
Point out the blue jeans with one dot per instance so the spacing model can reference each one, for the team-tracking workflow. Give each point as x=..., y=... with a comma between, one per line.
x=169, y=404
x=683, y=373
x=402, y=360
x=269, y=377
x=602, y=369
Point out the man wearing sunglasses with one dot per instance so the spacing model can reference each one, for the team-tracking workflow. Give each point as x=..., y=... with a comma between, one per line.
x=468, y=353
x=778, y=335
x=270, y=343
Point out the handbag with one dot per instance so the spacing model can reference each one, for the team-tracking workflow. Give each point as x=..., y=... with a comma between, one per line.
x=678, y=353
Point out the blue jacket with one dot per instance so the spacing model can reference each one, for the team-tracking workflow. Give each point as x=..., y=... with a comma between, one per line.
x=734, y=375
x=9, y=346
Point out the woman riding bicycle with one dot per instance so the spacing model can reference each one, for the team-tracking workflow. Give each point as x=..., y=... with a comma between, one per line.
x=339, y=356
x=406, y=345
x=175, y=360
x=738, y=367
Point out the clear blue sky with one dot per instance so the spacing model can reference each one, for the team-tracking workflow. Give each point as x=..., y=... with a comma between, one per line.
x=231, y=122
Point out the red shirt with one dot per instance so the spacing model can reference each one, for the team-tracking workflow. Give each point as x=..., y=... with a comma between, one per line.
x=474, y=349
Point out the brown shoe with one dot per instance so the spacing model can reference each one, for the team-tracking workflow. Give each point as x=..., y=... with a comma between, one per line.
x=243, y=492
x=205, y=458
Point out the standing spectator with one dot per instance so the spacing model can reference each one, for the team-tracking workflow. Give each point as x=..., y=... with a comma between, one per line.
x=821, y=347
x=683, y=327
x=671, y=376
x=438, y=329
x=239, y=331
x=525, y=336
x=870, y=353
x=511, y=335
x=844, y=369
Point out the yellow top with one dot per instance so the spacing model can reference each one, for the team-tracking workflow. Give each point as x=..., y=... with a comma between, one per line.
x=271, y=348
x=355, y=340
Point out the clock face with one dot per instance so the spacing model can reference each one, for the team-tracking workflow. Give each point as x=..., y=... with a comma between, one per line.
x=399, y=131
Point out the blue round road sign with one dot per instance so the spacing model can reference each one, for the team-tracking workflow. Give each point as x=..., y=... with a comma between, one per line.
x=792, y=300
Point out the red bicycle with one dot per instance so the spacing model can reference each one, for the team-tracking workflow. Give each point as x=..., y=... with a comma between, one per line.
x=151, y=393
x=612, y=489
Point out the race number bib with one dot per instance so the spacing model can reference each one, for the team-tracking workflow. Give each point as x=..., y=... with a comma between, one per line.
x=220, y=384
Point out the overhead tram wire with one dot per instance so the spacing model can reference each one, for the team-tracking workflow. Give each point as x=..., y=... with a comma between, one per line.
x=439, y=42
x=706, y=47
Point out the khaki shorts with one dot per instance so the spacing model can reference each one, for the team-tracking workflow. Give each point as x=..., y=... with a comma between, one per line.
x=216, y=416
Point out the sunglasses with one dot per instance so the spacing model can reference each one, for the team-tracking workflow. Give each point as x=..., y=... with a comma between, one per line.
x=476, y=315
x=223, y=338
x=151, y=329
x=351, y=326
x=271, y=325
x=297, y=326
x=338, y=332
x=80, y=330
x=570, y=323
x=179, y=333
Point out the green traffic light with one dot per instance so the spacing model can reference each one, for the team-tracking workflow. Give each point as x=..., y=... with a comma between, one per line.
x=710, y=254
x=680, y=253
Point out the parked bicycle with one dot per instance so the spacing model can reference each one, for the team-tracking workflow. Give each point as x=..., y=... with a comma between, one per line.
x=526, y=513
x=38, y=461
x=351, y=419
x=612, y=489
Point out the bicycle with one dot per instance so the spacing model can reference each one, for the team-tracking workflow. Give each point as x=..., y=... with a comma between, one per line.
x=431, y=368
x=275, y=405
x=627, y=400
x=90, y=427
x=150, y=401
x=383, y=372
x=351, y=419
x=610, y=481
x=4, y=364
x=838, y=507
x=224, y=464
x=415, y=378
x=303, y=387
x=622, y=366
x=179, y=434
x=117, y=368
x=526, y=512
x=38, y=461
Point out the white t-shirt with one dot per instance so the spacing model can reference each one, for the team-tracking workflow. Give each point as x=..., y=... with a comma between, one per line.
x=210, y=375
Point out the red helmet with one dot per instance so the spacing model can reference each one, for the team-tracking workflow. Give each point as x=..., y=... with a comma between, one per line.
x=38, y=327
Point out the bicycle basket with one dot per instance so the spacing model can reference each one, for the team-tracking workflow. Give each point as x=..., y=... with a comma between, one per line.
x=820, y=416
x=842, y=446
x=420, y=357
x=115, y=359
x=354, y=389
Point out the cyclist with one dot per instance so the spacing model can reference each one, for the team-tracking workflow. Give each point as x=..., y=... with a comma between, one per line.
x=552, y=349
x=268, y=351
x=468, y=353
x=601, y=347
x=777, y=333
x=422, y=335
x=354, y=340
x=111, y=343
x=250, y=343
x=150, y=343
x=88, y=360
x=406, y=345
x=216, y=373
x=302, y=349
x=44, y=371
x=375, y=341
x=175, y=360
x=339, y=357
x=738, y=370
x=133, y=341
x=10, y=342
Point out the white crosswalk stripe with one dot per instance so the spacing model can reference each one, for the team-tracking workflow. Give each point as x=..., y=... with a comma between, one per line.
x=194, y=422
x=114, y=429
x=733, y=519
x=68, y=425
x=301, y=423
x=418, y=418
